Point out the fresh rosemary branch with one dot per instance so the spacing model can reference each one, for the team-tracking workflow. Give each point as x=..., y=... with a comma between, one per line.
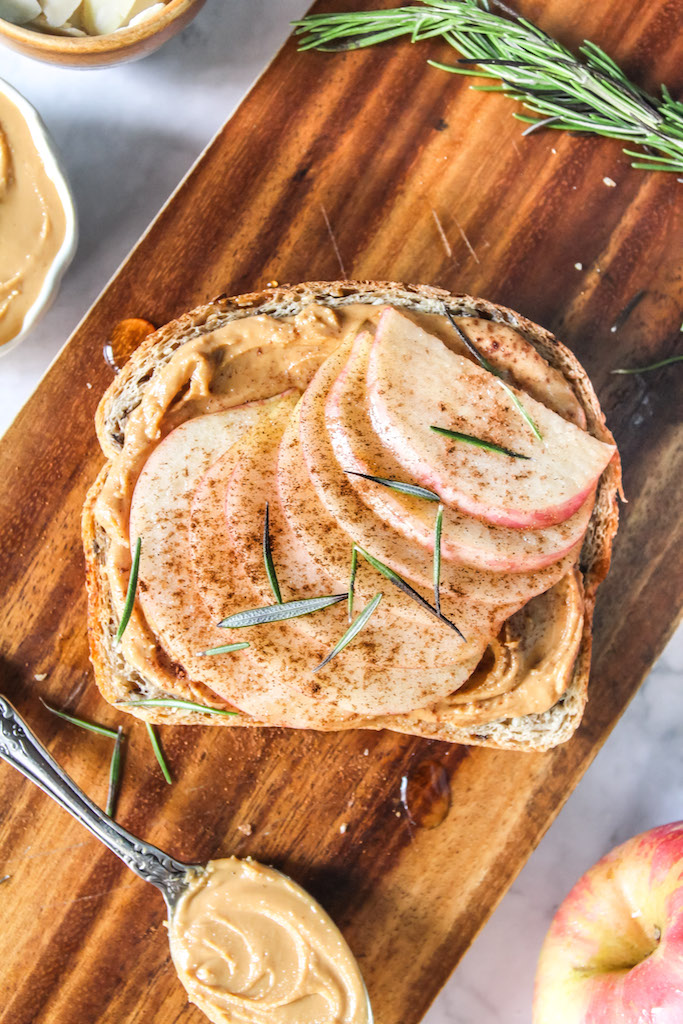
x=588, y=94
x=352, y=583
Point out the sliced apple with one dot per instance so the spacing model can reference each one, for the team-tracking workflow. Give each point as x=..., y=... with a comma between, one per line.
x=465, y=540
x=278, y=667
x=308, y=467
x=415, y=382
x=426, y=643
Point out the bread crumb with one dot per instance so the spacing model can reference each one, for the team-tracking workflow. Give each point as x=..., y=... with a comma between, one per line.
x=343, y=827
x=610, y=182
x=397, y=813
x=246, y=830
x=578, y=266
x=40, y=676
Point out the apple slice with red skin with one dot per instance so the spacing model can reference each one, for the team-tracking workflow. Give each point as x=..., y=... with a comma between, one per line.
x=399, y=634
x=308, y=467
x=464, y=540
x=613, y=951
x=161, y=500
x=416, y=382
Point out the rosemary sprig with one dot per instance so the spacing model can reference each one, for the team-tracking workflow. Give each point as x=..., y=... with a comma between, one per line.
x=130, y=593
x=5, y=878
x=399, y=582
x=268, y=557
x=398, y=485
x=279, y=612
x=652, y=366
x=102, y=730
x=477, y=442
x=158, y=753
x=471, y=347
x=114, y=775
x=438, y=526
x=353, y=630
x=225, y=649
x=352, y=582
x=168, y=702
x=588, y=94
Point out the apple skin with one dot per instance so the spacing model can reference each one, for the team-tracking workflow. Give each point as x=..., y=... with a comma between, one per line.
x=614, y=951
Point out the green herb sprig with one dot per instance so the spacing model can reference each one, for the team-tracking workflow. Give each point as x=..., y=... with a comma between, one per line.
x=169, y=702
x=279, y=612
x=225, y=649
x=398, y=485
x=477, y=442
x=114, y=775
x=268, y=557
x=158, y=752
x=409, y=591
x=130, y=593
x=589, y=94
x=438, y=526
x=652, y=366
x=353, y=630
x=101, y=730
x=352, y=582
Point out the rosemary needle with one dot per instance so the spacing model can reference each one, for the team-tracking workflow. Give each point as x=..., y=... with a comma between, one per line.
x=130, y=594
x=652, y=366
x=398, y=485
x=280, y=612
x=90, y=726
x=477, y=442
x=158, y=753
x=225, y=649
x=114, y=775
x=170, y=702
x=437, y=558
x=268, y=557
x=409, y=591
x=353, y=630
x=352, y=582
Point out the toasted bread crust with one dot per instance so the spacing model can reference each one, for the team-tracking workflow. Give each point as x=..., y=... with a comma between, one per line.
x=118, y=682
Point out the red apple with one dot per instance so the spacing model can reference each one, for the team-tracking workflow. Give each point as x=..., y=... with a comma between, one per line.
x=614, y=952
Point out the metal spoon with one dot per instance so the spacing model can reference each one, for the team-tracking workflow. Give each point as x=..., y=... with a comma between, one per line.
x=21, y=748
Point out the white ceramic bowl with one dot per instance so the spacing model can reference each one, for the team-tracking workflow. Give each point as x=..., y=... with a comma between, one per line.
x=55, y=171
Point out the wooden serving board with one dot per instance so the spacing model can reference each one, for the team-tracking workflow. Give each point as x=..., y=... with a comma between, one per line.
x=369, y=165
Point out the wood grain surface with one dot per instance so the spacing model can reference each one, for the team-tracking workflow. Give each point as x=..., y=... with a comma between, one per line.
x=371, y=165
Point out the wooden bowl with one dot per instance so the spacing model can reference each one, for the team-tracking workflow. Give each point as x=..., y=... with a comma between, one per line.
x=102, y=51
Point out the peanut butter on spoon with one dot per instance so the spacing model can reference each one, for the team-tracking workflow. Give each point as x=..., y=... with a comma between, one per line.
x=250, y=946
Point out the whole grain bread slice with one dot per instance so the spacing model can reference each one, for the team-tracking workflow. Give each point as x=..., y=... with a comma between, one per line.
x=119, y=682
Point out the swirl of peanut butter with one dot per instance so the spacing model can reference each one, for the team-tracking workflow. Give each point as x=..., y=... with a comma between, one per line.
x=252, y=947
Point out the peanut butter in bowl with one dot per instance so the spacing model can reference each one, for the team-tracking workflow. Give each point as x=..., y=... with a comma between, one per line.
x=37, y=219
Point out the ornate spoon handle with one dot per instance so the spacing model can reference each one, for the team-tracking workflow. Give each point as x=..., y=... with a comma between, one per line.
x=25, y=752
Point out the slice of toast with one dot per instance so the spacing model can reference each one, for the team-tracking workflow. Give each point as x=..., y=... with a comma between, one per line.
x=119, y=681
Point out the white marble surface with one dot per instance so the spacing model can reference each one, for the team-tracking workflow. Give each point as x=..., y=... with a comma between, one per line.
x=127, y=136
